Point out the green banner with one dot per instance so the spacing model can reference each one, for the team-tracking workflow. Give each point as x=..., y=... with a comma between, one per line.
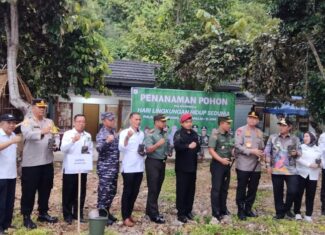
x=205, y=107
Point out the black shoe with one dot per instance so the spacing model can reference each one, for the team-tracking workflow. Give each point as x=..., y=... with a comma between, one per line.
x=219, y=216
x=226, y=213
x=290, y=214
x=28, y=223
x=2, y=231
x=182, y=218
x=190, y=216
x=323, y=212
x=47, y=218
x=250, y=213
x=68, y=220
x=158, y=220
x=112, y=217
x=241, y=215
x=278, y=216
x=82, y=220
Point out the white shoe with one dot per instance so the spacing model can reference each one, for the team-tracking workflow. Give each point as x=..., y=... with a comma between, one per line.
x=298, y=217
x=308, y=219
x=214, y=220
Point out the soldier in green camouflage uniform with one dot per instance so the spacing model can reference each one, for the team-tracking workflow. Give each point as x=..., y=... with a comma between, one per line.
x=156, y=143
x=221, y=146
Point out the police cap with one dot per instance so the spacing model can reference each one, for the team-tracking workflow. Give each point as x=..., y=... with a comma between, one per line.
x=7, y=117
x=39, y=103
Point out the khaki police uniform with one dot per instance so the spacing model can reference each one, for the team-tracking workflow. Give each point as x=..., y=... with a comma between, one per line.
x=248, y=167
x=37, y=165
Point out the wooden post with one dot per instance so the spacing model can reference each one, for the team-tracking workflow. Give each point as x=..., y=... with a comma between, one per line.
x=79, y=193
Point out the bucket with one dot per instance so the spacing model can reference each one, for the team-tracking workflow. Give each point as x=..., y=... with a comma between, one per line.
x=97, y=221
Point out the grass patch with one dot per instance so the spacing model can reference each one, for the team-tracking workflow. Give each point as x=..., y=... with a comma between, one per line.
x=261, y=196
x=38, y=231
x=168, y=192
x=208, y=229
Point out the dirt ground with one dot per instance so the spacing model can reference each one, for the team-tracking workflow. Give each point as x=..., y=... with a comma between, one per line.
x=264, y=205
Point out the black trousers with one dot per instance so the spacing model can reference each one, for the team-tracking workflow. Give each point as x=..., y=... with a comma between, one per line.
x=7, y=201
x=155, y=171
x=185, y=191
x=281, y=206
x=247, y=184
x=322, y=193
x=310, y=187
x=131, y=187
x=219, y=190
x=70, y=195
x=36, y=179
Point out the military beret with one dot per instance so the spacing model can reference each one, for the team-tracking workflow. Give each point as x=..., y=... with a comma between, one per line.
x=184, y=117
x=107, y=115
x=160, y=117
x=8, y=117
x=195, y=126
x=39, y=102
x=204, y=128
x=224, y=119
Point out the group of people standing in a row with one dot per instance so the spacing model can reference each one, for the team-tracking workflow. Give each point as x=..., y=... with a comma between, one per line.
x=286, y=160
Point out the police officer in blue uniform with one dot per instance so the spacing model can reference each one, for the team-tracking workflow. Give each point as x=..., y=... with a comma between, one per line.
x=107, y=164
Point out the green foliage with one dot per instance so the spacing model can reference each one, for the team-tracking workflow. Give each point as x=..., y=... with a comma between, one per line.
x=316, y=90
x=283, y=64
x=163, y=31
x=251, y=20
x=276, y=66
x=299, y=16
x=220, y=60
x=61, y=47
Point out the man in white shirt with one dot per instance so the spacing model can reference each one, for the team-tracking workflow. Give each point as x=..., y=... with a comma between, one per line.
x=321, y=145
x=131, y=144
x=74, y=142
x=8, y=172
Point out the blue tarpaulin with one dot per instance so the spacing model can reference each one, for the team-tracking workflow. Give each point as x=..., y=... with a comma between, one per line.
x=287, y=109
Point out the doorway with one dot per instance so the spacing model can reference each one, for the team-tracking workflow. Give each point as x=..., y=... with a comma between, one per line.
x=91, y=112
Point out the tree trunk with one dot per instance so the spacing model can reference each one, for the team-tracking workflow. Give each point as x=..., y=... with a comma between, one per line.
x=319, y=63
x=12, y=50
